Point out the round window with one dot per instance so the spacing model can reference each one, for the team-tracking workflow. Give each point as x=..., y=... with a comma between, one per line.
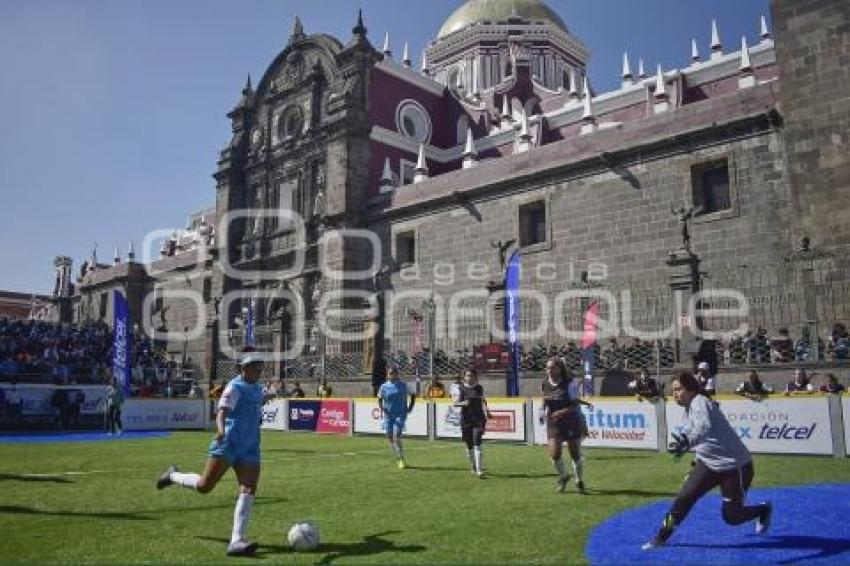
x=413, y=122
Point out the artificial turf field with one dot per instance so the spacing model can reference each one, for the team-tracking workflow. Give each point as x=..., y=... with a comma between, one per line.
x=95, y=502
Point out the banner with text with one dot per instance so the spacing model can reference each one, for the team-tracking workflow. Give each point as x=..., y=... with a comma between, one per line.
x=845, y=403
x=780, y=425
x=334, y=417
x=164, y=414
x=274, y=415
x=368, y=419
x=507, y=422
x=610, y=424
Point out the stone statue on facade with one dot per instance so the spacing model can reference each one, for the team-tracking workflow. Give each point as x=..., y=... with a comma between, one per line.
x=685, y=216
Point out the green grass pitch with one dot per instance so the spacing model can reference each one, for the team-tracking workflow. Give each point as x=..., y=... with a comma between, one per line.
x=96, y=502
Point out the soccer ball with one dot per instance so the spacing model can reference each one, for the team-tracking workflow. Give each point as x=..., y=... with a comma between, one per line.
x=303, y=536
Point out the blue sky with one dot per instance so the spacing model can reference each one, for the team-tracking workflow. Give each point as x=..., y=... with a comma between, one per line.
x=112, y=112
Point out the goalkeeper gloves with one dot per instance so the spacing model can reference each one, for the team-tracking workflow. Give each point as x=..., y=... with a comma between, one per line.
x=679, y=446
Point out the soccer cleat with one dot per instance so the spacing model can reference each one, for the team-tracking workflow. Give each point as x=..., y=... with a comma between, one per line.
x=562, y=484
x=763, y=522
x=241, y=548
x=580, y=486
x=653, y=543
x=479, y=473
x=165, y=479
x=401, y=465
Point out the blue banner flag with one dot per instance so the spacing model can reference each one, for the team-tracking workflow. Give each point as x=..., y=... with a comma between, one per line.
x=249, y=326
x=512, y=283
x=121, y=341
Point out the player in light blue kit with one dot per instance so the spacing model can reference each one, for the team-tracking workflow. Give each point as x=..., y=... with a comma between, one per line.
x=392, y=400
x=237, y=445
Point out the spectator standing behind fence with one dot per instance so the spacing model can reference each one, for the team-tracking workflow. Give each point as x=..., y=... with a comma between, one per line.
x=839, y=342
x=831, y=385
x=783, y=347
x=324, y=391
x=114, y=402
x=753, y=388
x=800, y=384
x=705, y=379
x=644, y=387
x=297, y=392
x=436, y=390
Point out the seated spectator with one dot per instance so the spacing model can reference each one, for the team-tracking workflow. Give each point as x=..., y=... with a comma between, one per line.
x=753, y=388
x=436, y=390
x=800, y=384
x=831, y=385
x=297, y=392
x=324, y=391
x=758, y=346
x=195, y=391
x=783, y=347
x=839, y=342
x=644, y=387
x=705, y=379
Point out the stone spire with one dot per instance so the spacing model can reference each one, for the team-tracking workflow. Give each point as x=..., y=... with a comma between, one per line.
x=716, y=46
x=297, y=31
x=641, y=72
x=747, y=78
x=506, y=117
x=116, y=258
x=358, y=32
x=387, y=51
x=424, y=67
x=470, y=153
x=421, y=172
x=247, y=94
x=131, y=252
x=694, y=51
x=765, y=33
x=524, y=141
x=588, y=120
x=660, y=96
x=405, y=60
x=627, y=71
x=574, y=96
x=387, y=181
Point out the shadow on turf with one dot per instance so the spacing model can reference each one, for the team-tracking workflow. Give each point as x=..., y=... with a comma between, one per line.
x=824, y=546
x=21, y=510
x=289, y=450
x=371, y=545
x=48, y=479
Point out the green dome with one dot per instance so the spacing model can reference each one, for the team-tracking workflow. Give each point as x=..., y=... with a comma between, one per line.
x=499, y=11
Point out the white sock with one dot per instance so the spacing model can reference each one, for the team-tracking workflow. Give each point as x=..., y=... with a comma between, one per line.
x=477, y=456
x=578, y=468
x=186, y=480
x=560, y=467
x=241, y=515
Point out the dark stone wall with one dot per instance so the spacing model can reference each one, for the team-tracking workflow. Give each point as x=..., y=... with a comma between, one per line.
x=813, y=51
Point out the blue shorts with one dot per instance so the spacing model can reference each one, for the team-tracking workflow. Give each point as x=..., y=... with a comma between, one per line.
x=234, y=452
x=394, y=426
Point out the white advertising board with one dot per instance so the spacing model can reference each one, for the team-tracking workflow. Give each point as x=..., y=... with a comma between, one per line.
x=274, y=415
x=507, y=421
x=776, y=425
x=164, y=414
x=615, y=423
x=40, y=399
x=368, y=419
x=845, y=407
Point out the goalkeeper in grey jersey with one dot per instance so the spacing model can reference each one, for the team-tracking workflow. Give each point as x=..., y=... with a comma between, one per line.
x=721, y=460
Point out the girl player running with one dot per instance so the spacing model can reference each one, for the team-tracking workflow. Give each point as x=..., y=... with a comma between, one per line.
x=564, y=422
x=474, y=413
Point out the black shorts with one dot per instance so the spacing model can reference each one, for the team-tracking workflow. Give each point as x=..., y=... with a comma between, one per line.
x=570, y=426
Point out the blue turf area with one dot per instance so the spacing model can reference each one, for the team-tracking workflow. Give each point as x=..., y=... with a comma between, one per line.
x=809, y=524
x=94, y=436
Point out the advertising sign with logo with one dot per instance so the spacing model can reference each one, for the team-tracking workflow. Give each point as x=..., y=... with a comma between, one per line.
x=164, y=414
x=611, y=424
x=845, y=405
x=780, y=426
x=334, y=417
x=368, y=420
x=274, y=415
x=507, y=422
x=44, y=399
x=303, y=415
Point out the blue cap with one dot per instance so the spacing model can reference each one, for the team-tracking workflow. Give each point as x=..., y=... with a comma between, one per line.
x=250, y=359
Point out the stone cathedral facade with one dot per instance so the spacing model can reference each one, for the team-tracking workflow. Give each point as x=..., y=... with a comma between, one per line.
x=496, y=140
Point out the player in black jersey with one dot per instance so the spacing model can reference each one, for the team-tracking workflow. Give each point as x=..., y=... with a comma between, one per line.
x=564, y=422
x=474, y=413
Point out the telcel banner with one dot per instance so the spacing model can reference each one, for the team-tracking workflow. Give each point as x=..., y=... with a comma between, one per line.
x=368, y=419
x=611, y=424
x=507, y=422
x=780, y=426
x=274, y=415
x=164, y=414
